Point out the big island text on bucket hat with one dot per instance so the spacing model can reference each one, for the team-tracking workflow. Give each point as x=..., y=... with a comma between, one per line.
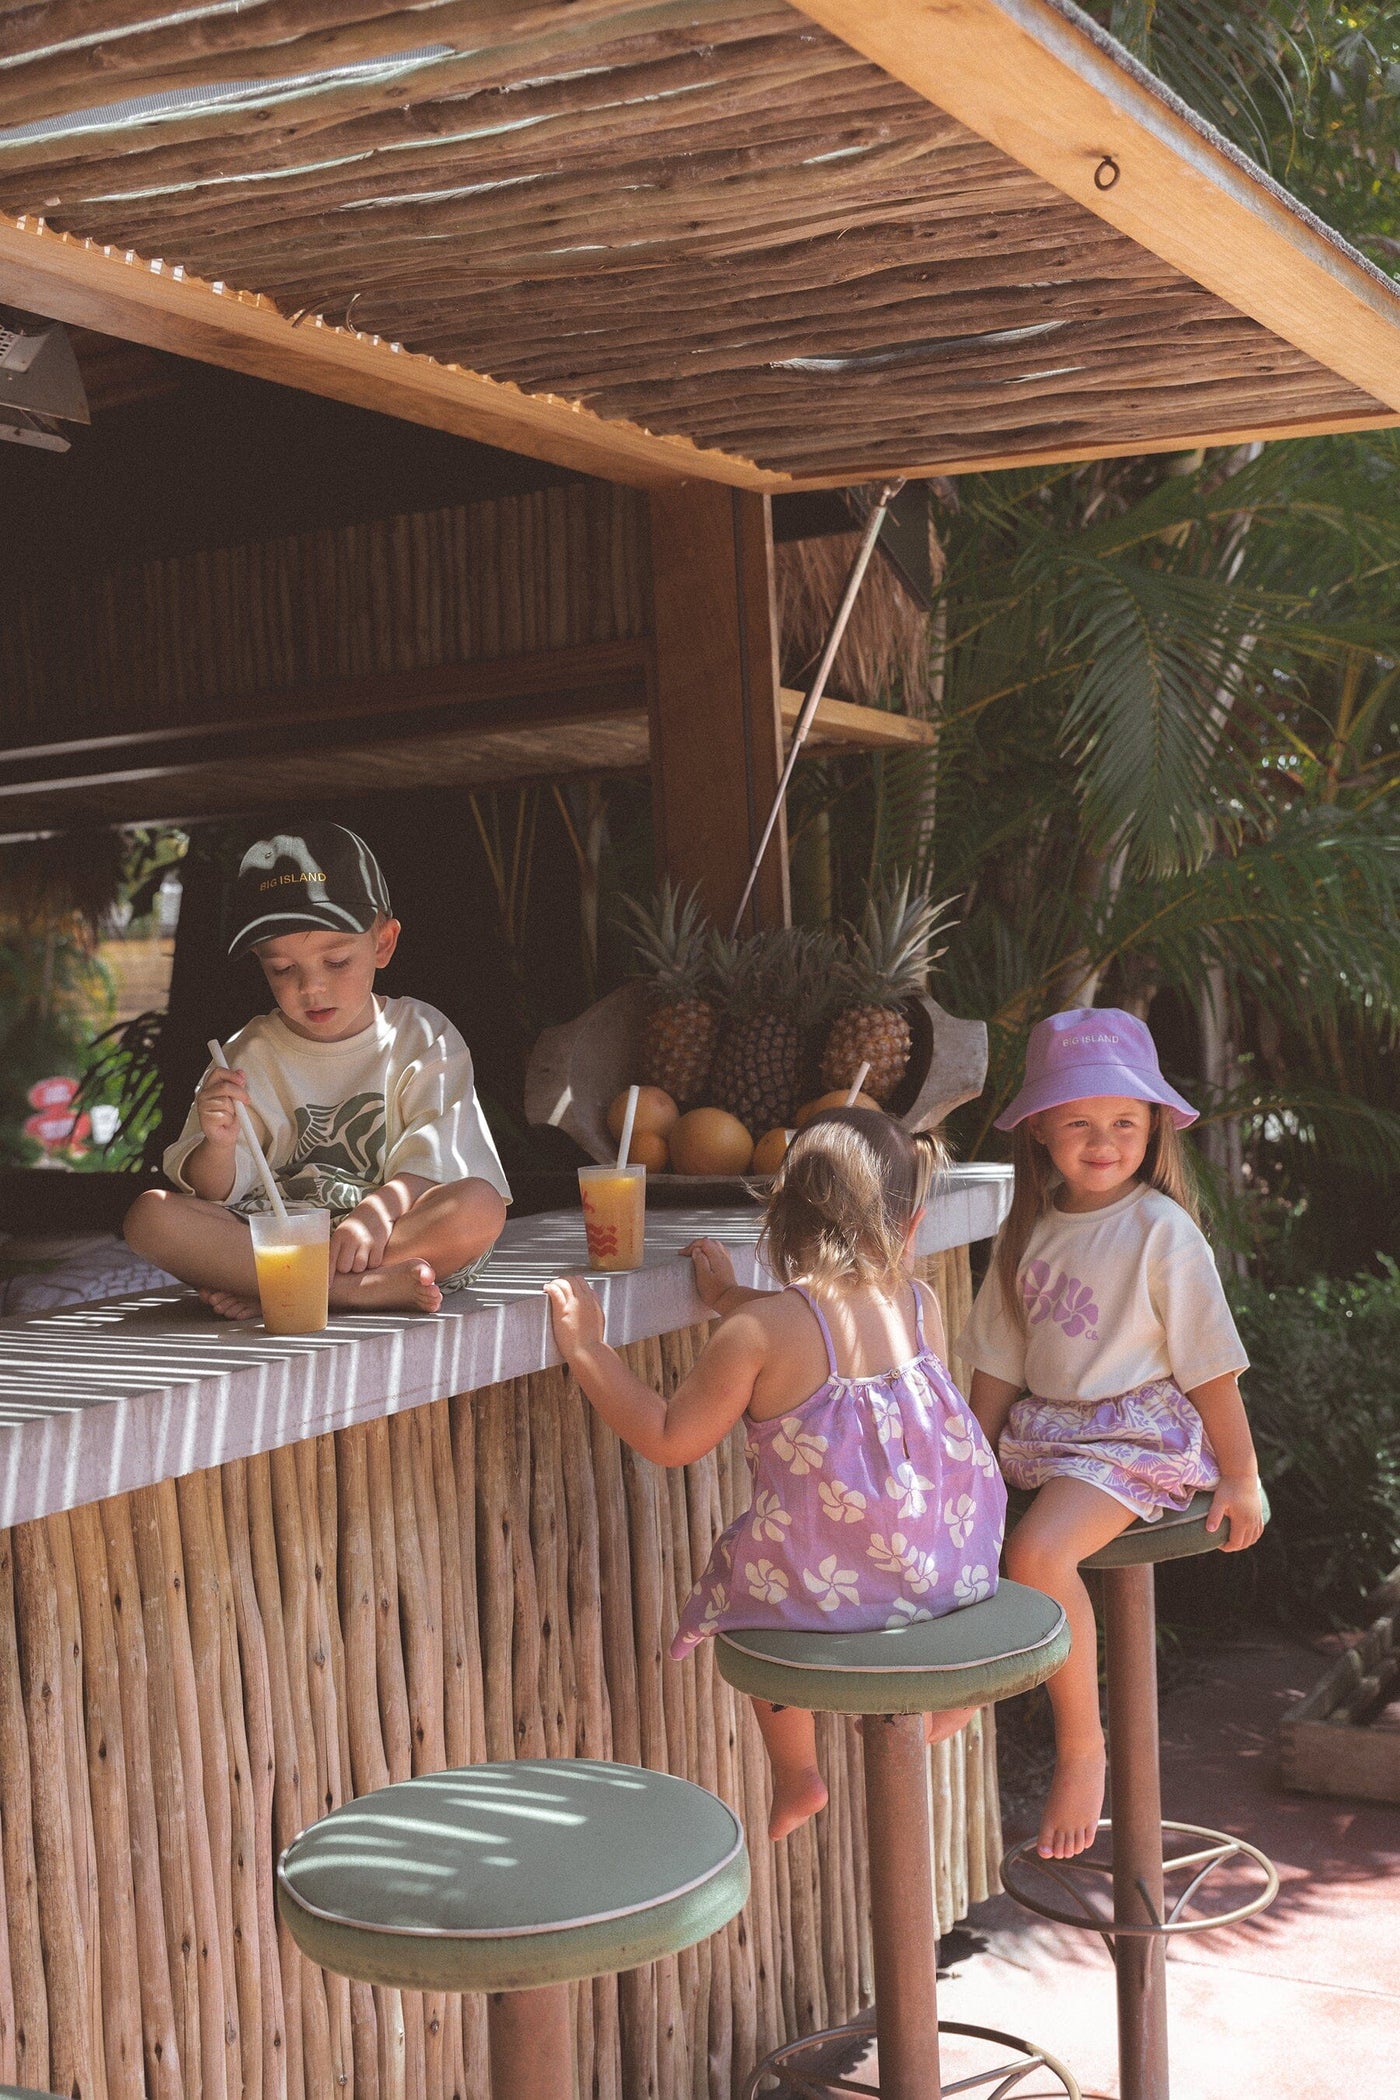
x=1089, y=1053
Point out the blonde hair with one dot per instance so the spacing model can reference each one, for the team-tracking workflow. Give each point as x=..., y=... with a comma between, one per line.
x=1163, y=1168
x=844, y=1197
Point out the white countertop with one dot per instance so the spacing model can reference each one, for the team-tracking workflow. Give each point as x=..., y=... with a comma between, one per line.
x=99, y=1399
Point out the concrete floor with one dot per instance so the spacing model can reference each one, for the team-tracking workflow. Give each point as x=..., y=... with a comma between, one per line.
x=1303, y=2001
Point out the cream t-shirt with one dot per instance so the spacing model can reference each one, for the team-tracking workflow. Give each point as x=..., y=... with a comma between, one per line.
x=1115, y=1298
x=339, y=1119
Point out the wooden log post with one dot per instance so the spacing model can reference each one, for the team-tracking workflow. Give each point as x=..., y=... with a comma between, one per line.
x=716, y=731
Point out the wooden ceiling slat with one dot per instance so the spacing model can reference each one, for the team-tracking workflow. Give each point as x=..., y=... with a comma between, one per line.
x=540, y=38
x=274, y=40
x=542, y=156
x=674, y=94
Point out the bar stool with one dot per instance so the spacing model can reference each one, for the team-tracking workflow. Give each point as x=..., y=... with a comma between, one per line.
x=1137, y=1924
x=986, y=1651
x=515, y=1879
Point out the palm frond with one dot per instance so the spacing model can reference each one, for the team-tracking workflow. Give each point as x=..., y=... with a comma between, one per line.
x=1308, y=918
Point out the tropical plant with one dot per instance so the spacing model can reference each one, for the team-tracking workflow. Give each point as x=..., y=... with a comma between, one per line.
x=1169, y=746
x=1308, y=89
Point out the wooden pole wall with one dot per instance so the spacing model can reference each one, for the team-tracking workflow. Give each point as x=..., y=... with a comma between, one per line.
x=192, y=1673
x=193, y=638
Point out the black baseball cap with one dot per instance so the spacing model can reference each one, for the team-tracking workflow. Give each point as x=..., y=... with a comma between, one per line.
x=320, y=879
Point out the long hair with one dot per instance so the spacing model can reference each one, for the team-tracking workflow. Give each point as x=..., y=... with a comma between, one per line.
x=844, y=1197
x=1163, y=1167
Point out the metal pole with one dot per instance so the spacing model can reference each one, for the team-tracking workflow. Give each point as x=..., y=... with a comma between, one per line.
x=531, y=2041
x=818, y=687
x=1130, y=1655
x=902, y=1919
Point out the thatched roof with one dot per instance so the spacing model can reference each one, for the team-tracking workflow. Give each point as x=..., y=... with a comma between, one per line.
x=658, y=238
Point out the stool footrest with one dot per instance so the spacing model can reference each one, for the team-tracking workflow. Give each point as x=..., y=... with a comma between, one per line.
x=821, y=2064
x=1027, y=1878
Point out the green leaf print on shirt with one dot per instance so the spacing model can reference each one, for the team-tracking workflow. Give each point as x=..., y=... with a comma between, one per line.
x=337, y=1155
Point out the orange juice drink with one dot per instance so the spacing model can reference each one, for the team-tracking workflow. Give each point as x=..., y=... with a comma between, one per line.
x=614, y=1215
x=292, y=1257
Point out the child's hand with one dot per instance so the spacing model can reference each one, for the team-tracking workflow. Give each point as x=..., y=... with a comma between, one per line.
x=1238, y=1502
x=359, y=1240
x=575, y=1314
x=216, y=1105
x=714, y=1271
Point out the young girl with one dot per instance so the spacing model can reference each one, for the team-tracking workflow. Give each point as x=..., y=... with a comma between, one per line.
x=1103, y=1300
x=875, y=1496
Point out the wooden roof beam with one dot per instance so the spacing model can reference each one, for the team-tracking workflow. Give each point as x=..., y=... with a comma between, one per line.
x=123, y=294
x=1034, y=78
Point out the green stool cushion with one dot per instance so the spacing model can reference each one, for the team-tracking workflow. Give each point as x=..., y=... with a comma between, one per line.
x=504, y=1877
x=985, y=1651
x=1176, y=1535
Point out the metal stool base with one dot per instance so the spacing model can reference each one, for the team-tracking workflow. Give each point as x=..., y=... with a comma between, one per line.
x=818, y=2065
x=1023, y=1864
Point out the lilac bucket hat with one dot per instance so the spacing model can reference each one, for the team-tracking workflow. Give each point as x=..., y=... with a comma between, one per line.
x=1088, y=1052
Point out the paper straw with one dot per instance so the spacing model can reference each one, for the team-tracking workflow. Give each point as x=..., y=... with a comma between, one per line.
x=245, y=1124
x=625, y=1141
x=857, y=1083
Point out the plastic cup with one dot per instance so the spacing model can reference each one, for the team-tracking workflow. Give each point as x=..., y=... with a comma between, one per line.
x=614, y=1203
x=293, y=1260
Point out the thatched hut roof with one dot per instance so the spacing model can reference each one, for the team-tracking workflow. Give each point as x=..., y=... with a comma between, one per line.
x=665, y=238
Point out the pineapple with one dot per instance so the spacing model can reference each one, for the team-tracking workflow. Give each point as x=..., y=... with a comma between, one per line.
x=887, y=961
x=768, y=985
x=670, y=946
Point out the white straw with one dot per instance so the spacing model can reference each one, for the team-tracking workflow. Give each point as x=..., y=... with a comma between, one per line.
x=245, y=1124
x=625, y=1142
x=857, y=1083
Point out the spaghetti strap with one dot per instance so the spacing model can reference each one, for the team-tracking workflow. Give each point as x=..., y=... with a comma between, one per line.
x=919, y=1343
x=820, y=1317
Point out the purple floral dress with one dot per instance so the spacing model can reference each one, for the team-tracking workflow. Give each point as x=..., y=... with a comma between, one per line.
x=876, y=1502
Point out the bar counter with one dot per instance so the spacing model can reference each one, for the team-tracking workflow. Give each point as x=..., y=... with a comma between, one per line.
x=245, y=1579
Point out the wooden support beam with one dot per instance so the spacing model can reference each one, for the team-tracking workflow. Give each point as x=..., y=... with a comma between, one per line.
x=839, y=724
x=716, y=734
x=1034, y=78
x=123, y=294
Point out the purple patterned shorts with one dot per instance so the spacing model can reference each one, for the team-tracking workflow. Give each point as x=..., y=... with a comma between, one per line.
x=1147, y=1448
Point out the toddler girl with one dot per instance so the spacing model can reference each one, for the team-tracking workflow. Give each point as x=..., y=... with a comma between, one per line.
x=1102, y=1298
x=875, y=1496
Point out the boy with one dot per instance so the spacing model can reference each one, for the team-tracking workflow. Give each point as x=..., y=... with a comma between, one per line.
x=363, y=1105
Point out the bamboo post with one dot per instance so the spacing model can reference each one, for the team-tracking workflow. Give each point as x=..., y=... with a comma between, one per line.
x=69, y=1689
x=106, y=1782
x=21, y=1894
x=281, y=2019
x=71, y=2067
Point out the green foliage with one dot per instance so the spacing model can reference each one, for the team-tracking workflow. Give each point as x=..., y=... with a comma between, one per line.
x=1308, y=89
x=1324, y=1401
x=122, y=1071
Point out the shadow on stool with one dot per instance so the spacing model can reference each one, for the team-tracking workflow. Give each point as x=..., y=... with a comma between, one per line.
x=987, y=1651
x=515, y=1879
x=1125, y=1898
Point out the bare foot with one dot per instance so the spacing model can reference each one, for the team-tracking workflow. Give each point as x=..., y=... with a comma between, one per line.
x=938, y=1727
x=399, y=1286
x=1071, y=1819
x=794, y=1799
x=229, y=1306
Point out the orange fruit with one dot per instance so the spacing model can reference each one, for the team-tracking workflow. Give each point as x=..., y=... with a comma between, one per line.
x=649, y=1151
x=837, y=1100
x=710, y=1141
x=656, y=1113
x=768, y=1152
